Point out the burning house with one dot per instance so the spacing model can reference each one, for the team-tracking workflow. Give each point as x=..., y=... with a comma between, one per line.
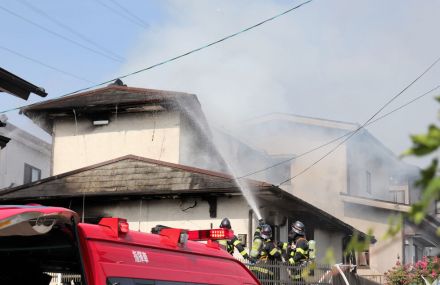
x=148, y=155
x=362, y=182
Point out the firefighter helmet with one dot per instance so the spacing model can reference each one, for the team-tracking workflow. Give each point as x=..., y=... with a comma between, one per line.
x=225, y=223
x=298, y=228
x=266, y=231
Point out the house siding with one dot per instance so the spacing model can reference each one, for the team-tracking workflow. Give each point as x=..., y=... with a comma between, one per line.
x=79, y=144
x=23, y=148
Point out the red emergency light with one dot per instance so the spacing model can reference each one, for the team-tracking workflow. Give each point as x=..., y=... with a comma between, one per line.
x=117, y=225
x=212, y=234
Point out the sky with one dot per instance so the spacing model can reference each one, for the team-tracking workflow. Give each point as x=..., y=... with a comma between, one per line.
x=339, y=60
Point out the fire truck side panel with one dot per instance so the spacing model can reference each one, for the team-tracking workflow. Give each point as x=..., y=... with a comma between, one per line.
x=150, y=257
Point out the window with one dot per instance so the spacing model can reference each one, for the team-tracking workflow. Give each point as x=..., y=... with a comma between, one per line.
x=363, y=259
x=31, y=173
x=368, y=176
x=437, y=207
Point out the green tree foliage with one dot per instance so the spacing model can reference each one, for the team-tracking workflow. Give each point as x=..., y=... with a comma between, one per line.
x=426, y=144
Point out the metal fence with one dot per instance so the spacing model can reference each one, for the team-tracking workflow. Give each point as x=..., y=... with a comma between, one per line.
x=278, y=273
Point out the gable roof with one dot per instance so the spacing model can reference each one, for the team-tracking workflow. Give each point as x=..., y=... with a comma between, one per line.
x=138, y=176
x=112, y=99
x=128, y=175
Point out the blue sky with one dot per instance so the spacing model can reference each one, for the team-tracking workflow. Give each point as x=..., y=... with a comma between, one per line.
x=337, y=59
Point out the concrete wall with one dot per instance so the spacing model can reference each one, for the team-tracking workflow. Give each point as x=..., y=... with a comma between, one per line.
x=151, y=135
x=23, y=148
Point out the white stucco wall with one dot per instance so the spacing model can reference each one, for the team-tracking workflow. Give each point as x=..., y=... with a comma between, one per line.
x=171, y=212
x=81, y=144
x=23, y=148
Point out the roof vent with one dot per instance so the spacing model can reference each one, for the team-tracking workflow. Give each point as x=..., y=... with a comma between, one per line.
x=118, y=82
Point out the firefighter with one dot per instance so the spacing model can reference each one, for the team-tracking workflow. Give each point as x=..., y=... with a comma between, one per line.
x=263, y=248
x=298, y=251
x=229, y=245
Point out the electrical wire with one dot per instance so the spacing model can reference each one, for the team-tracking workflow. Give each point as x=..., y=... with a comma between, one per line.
x=364, y=124
x=45, y=65
x=340, y=137
x=171, y=59
x=129, y=13
x=125, y=16
x=58, y=35
x=71, y=30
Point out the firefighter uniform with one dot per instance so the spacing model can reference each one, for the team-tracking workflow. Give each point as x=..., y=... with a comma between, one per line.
x=229, y=245
x=299, y=253
x=263, y=247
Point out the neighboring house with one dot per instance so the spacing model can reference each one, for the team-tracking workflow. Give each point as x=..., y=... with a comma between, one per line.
x=148, y=155
x=362, y=182
x=24, y=159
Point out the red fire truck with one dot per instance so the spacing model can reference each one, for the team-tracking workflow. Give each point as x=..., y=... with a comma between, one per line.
x=38, y=241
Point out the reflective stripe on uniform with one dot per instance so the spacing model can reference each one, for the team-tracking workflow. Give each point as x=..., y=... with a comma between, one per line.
x=237, y=242
x=256, y=245
x=300, y=250
x=273, y=251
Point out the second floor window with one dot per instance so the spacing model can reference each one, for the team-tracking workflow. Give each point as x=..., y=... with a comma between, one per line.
x=31, y=173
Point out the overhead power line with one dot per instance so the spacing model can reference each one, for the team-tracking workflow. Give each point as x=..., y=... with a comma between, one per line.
x=126, y=16
x=45, y=65
x=71, y=30
x=338, y=138
x=59, y=35
x=129, y=13
x=174, y=58
x=364, y=124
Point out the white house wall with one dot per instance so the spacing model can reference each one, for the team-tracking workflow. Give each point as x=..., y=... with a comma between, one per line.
x=180, y=214
x=23, y=148
x=79, y=144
